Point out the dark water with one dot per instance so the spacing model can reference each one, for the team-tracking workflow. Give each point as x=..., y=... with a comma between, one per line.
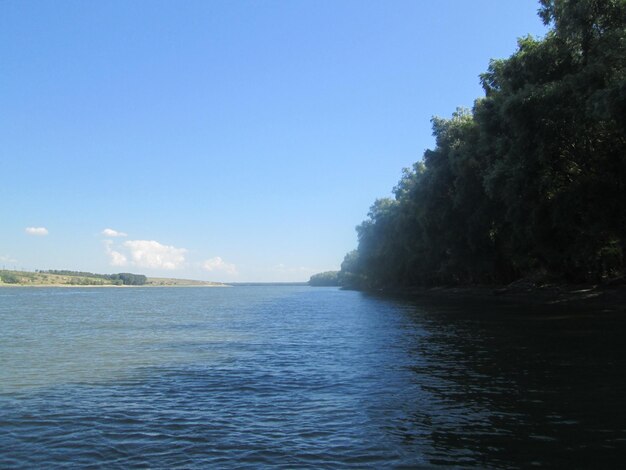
x=301, y=377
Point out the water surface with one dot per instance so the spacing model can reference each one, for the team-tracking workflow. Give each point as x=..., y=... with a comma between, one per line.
x=301, y=377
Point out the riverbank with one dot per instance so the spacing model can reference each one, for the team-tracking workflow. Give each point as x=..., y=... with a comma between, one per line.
x=12, y=278
x=610, y=297
x=111, y=286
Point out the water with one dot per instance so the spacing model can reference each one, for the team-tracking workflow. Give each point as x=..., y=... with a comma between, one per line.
x=300, y=377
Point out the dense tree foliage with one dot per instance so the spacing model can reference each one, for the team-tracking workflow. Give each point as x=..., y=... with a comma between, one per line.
x=129, y=279
x=327, y=278
x=531, y=180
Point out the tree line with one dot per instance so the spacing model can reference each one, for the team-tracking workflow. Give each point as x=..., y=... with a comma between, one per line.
x=327, y=278
x=126, y=279
x=530, y=182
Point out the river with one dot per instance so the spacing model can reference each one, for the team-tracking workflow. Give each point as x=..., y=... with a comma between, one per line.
x=300, y=377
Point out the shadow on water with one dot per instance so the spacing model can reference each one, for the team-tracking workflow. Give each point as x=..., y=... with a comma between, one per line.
x=301, y=377
x=515, y=386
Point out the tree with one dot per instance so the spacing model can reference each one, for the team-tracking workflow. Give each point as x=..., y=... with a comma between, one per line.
x=327, y=278
x=533, y=178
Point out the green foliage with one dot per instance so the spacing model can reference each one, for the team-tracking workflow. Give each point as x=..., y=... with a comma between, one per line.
x=126, y=279
x=532, y=179
x=327, y=278
x=65, y=272
x=84, y=281
x=352, y=274
x=129, y=279
x=10, y=278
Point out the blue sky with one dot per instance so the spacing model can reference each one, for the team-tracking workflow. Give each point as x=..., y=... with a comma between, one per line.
x=223, y=140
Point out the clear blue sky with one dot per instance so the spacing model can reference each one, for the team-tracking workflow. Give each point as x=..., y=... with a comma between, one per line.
x=228, y=140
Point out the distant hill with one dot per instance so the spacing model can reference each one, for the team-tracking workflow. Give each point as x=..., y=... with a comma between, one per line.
x=264, y=284
x=78, y=278
x=166, y=281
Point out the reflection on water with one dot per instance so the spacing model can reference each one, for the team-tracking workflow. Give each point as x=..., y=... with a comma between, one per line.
x=303, y=377
x=516, y=387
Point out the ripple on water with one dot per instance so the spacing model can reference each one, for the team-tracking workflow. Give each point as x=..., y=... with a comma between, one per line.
x=301, y=378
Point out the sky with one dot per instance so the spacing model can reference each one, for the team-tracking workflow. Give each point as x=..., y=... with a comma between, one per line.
x=228, y=141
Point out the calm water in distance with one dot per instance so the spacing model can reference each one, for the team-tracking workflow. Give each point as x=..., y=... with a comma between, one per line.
x=300, y=377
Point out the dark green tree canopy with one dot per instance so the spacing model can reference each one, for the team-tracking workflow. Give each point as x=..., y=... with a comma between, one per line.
x=532, y=179
x=327, y=278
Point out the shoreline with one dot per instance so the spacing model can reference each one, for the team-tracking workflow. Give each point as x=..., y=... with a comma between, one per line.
x=597, y=297
x=98, y=286
x=85, y=279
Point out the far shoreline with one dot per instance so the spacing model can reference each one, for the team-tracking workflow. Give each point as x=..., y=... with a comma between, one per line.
x=17, y=286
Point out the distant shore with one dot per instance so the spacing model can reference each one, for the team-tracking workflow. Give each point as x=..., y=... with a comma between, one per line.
x=17, y=286
x=14, y=278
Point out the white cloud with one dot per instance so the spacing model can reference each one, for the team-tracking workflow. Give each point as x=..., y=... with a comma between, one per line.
x=145, y=254
x=152, y=254
x=218, y=264
x=116, y=258
x=39, y=231
x=109, y=232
